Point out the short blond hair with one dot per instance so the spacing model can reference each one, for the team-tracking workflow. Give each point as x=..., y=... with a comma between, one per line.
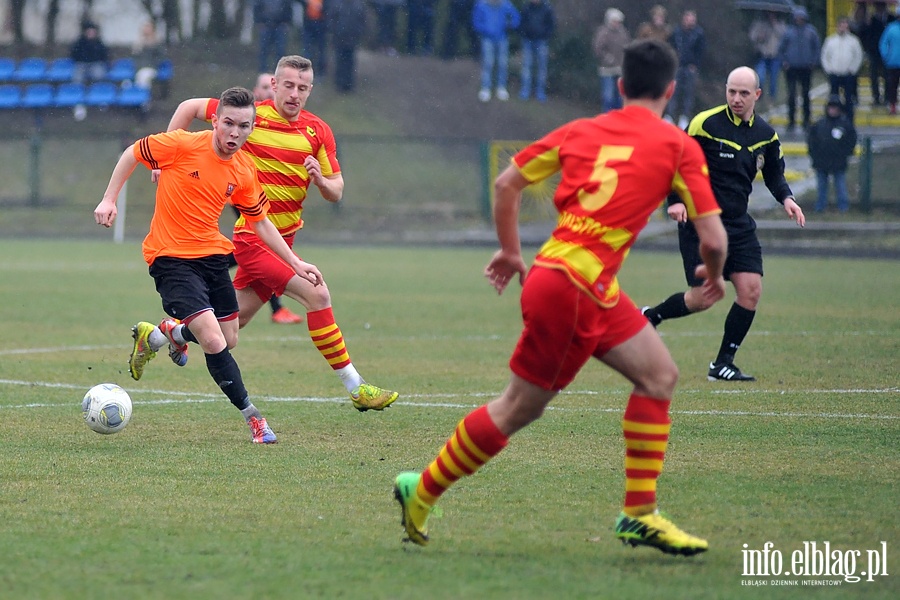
x=293, y=61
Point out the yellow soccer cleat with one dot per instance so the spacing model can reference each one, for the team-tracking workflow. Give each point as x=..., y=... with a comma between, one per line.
x=142, y=353
x=414, y=512
x=370, y=397
x=657, y=531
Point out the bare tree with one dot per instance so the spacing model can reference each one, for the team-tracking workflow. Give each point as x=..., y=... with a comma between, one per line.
x=52, y=14
x=16, y=7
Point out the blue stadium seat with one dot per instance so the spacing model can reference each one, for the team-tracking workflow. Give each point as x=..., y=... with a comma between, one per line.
x=101, y=93
x=165, y=70
x=7, y=68
x=38, y=95
x=68, y=95
x=10, y=97
x=60, y=70
x=30, y=69
x=134, y=97
x=122, y=69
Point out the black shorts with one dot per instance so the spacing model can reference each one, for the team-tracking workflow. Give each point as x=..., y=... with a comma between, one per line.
x=188, y=286
x=744, y=251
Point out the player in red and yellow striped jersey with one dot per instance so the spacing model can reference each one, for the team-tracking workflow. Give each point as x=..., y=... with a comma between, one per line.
x=187, y=254
x=291, y=148
x=616, y=170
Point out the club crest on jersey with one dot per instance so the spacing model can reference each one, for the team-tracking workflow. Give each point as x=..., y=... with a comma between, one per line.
x=760, y=161
x=310, y=131
x=230, y=189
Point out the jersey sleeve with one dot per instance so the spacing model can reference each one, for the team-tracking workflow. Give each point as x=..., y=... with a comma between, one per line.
x=249, y=198
x=539, y=160
x=159, y=150
x=773, y=171
x=691, y=182
x=326, y=153
x=211, y=106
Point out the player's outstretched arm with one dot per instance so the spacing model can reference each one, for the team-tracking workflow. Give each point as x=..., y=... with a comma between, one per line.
x=794, y=211
x=268, y=233
x=106, y=211
x=187, y=111
x=507, y=261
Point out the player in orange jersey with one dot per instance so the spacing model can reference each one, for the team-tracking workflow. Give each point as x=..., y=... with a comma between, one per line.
x=616, y=170
x=291, y=148
x=187, y=255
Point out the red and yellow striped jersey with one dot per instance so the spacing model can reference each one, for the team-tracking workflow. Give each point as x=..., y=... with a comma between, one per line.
x=193, y=188
x=616, y=169
x=278, y=148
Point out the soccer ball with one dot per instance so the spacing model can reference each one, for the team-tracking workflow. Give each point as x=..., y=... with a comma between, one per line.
x=106, y=408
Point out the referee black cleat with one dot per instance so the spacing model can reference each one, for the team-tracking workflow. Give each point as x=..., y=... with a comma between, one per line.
x=725, y=371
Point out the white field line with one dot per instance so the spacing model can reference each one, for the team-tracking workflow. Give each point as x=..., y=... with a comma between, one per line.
x=174, y=397
x=304, y=338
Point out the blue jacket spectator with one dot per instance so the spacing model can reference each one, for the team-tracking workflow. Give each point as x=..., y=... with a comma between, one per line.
x=889, y=47
x=689, y=42
x=799, y=52
x=537, y=25
x=492, y=20
x=273, y=19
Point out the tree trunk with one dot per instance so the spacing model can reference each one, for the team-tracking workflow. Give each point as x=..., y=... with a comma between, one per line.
x=52, y=14
x=15, y=14
x=171, y=16
x=218, y=20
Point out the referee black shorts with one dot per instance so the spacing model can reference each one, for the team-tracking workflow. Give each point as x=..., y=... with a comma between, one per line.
x=744, y=251
x=188, y=286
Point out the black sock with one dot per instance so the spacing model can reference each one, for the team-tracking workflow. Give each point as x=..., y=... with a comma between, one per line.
x=275, y=303
x=227, y=375
x=737, y=324
x=672, y=307
x=188, y=335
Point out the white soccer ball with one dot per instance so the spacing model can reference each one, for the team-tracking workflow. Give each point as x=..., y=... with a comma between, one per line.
x=106, y=408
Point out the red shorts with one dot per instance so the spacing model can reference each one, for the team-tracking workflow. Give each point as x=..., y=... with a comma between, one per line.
x=259, y=268
x=564, y=327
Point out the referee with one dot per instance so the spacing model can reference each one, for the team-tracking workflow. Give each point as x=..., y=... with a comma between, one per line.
x=737, y=144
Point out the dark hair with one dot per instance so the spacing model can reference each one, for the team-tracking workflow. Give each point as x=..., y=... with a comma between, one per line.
x=648, y=68
x=237, y=97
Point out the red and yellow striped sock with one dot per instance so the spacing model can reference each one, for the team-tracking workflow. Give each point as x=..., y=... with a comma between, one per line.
x=327, y=337
x=646, y=426
x=475, y=441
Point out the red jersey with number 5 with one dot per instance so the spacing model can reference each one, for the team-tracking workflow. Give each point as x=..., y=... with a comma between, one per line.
x=616, y=169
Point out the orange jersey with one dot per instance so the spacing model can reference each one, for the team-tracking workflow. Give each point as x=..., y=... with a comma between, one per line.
x=279, y=148
x=617, y=168
x=193, y=188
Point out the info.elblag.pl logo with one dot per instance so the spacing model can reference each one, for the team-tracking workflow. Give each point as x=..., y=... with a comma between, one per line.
x=815, y=563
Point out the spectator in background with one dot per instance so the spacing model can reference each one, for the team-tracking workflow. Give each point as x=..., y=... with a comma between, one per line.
x=90, y=54
x=889, y=46
x=656, y=28
x=766, y=33
x=831, y=141
x=148, y=52
x=871, y=38
x=799, y=52
x=386, y=18
x=348, y=19
x=315, y=30
x=689, y=42
x=420, y=27
x=860, y=21
x=493, y=20
x=459, y=21
x=263, y=88
x=842, y=56
x=536, y=28
x=608, y=45
x=273, y=20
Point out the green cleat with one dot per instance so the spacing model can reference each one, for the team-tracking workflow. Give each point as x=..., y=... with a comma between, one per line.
x=414, y=512
x=142, y=353
x=369, y=397
x=657, y=531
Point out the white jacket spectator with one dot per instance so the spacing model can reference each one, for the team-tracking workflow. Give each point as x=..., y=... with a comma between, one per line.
x=842, y=52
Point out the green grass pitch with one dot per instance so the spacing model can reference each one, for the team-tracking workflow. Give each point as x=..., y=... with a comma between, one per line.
x=182, y=505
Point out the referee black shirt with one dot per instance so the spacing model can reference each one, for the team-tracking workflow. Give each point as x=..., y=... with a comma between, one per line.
x=735, y=151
